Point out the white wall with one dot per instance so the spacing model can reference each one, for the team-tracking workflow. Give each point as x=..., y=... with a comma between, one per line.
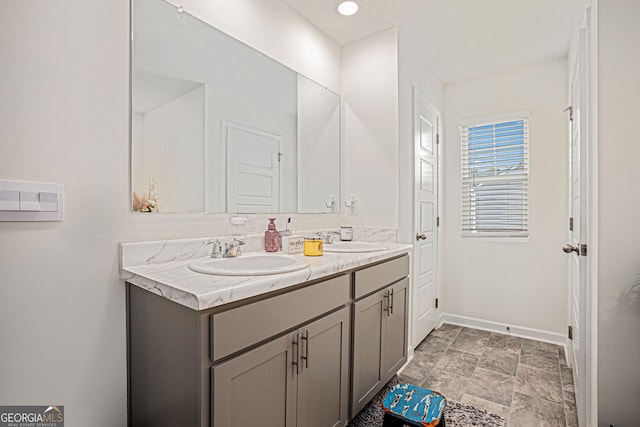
x=514, y=282
x=64, y=112
x=618, y=207
x=370, y=103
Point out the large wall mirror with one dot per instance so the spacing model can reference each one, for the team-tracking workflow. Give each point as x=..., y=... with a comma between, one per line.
x=219, y=127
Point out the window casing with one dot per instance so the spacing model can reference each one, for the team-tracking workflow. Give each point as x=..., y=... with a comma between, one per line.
x=495, y=178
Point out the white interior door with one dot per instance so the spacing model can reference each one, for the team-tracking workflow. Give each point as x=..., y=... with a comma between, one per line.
x=253, y=170
x=425, y=250
x=577, y=246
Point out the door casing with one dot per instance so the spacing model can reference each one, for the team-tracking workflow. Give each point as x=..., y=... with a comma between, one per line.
x=426, y=131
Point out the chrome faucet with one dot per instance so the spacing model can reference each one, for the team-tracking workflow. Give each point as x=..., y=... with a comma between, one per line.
x=216, y=249
x=228, y=250
x=329, y=236
x=232, y=249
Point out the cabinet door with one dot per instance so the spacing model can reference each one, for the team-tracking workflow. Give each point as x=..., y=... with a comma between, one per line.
x=324, y=372
x=367, y=350
x=257, y=388
x=394, y=332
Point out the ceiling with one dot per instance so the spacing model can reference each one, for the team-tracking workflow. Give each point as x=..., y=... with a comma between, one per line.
x=457, y=39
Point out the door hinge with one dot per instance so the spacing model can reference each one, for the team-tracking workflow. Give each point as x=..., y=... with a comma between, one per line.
x=570, y=224
x=437, y=221
x=437, y=138
x=570, y=332
x=436, y=302
x=583, y=250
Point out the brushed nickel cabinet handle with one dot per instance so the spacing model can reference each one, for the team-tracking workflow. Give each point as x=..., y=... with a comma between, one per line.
x=296, y=360
x=391, y=302
x=305, y=338
x=387, y=308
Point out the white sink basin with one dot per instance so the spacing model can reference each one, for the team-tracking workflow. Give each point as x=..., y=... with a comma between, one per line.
x=355, y=247
x=248, y=265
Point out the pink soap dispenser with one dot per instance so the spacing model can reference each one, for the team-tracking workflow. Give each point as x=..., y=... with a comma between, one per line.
x=271, y=237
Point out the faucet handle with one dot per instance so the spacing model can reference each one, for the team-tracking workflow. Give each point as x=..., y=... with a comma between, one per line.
x=232, y=249
x=216, y=249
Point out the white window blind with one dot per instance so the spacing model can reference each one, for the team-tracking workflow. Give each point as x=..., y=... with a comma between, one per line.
x=495, y=174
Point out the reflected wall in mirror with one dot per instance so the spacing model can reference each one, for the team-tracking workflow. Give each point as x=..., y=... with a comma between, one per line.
x=219, y=127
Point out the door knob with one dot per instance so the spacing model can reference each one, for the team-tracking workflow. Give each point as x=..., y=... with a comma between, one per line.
x=568, y=249
x=421, y=236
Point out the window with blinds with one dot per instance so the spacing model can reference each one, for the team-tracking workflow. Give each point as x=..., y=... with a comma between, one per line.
x=495, y=173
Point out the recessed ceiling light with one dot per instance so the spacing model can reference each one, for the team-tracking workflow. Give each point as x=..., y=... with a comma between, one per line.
x=347, y=8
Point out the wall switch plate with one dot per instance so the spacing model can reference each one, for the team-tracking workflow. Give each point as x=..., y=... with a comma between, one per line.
x=30, y=201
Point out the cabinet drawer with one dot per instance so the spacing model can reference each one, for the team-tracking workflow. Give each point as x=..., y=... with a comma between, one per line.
x=373, y=278
x=236, y=329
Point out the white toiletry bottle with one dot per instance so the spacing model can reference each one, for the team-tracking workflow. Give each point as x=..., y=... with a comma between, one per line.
x=346, y=233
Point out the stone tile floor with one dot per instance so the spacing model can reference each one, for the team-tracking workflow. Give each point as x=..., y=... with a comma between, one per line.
x=526, y=382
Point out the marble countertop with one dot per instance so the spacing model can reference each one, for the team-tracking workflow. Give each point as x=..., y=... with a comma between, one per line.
x=175, y=281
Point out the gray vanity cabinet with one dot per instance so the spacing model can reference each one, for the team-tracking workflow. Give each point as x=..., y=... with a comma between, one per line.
x=280, y=359
x=379, y=328
x=300, y=379
x=306, y=356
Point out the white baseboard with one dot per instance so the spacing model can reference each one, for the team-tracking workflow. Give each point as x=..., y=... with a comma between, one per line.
x=503, y=328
